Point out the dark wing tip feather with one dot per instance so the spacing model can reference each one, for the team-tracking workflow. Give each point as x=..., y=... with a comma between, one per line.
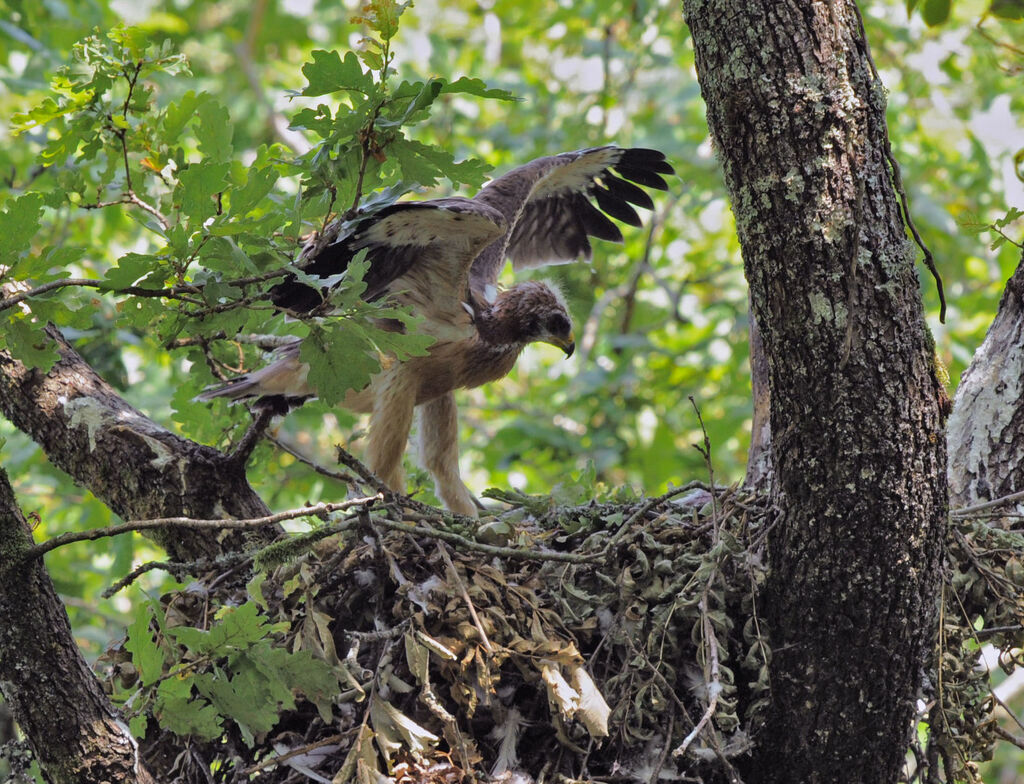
x=644, y=177
x=644, y=158
x=627, y=191
x=291, y=294
x=594, y=221
x=295, y=296
x=615, y=206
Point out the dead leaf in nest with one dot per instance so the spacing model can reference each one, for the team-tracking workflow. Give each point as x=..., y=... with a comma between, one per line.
x=593, y=710
x=413, y=772
x=394, y=730
x=581, y=700
x=560, y=694
x=360, y=764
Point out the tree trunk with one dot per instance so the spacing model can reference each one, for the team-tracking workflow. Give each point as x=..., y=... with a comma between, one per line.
x=986, y=428
x=54, y=696
x=798, y=118
x=139, y=469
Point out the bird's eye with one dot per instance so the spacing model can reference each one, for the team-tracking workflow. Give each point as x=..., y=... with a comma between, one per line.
x=558, y=325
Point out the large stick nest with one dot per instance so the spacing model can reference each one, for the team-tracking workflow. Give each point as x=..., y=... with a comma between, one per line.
x=637, y=653
x=616, y=642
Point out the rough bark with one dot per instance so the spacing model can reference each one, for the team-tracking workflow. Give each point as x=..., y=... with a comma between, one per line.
x=57, y=701
x=858, y=450
x=986, y=428
x=139, y=469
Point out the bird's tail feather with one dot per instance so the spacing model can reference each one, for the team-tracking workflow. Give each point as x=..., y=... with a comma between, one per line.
x=236, y=389
x=285, y=377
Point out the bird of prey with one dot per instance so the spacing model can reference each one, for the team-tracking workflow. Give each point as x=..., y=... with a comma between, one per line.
x=442, y=258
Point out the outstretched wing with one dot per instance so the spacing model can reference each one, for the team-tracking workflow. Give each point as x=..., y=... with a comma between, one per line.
x=550, y=204
x=419, y=251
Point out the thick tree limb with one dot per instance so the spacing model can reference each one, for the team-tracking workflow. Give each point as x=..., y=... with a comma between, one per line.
x=55, y=698
x=139, y=469
x=986, y=428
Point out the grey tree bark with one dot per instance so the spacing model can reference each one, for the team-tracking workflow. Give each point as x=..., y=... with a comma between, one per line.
x=132, y=464
x=798, y=118
x=55, y=698
x=986, y=428
x=141, y=471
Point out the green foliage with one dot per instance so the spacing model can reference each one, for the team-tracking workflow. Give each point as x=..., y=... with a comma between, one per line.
x=585, y=77
x=196, y=133
x=194, y=680
x=220, y=231
x=937, y=12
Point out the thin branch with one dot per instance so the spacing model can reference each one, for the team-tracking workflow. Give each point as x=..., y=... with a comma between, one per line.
x=366, y=136
x=465, y=597
x=897, y=179
x=177, y=569
x=318, y=510
x=967, y=511
x=276, y=760
x=994, y=41
x=174, y=569
x=265, y=342
x=175, y=292
x=130, y=197
x=490, y=549
x=714, y=688
x=650, y=505
x=323, y=471
x=1016, y=740
x=350, y=461
x=706, y=453
x=252, y=435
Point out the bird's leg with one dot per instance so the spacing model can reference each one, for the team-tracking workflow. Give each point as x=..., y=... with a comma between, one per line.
x=390, y=422
x=439, y=453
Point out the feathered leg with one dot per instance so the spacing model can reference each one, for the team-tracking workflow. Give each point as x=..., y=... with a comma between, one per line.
x=439, y=453
x=393, y=402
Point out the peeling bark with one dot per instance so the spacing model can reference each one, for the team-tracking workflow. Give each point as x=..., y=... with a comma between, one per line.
x=986, y=428
x=139, y=469
x=858, y=450
x=56, y=700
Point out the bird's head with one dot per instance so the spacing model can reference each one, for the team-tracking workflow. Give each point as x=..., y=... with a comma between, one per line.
x=535, y=311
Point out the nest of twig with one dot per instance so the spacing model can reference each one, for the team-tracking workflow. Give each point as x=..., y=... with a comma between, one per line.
x=613, y=641
x=606, y=641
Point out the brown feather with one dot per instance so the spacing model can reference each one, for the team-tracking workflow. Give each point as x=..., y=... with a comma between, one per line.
x=442, y=257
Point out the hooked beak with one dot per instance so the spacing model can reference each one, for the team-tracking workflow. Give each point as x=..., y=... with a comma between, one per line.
x=568, y=344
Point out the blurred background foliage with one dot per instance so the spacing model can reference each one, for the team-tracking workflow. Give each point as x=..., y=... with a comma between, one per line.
x=659, y=319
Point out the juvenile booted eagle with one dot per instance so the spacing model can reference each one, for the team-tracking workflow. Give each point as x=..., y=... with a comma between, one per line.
x=442, y=257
